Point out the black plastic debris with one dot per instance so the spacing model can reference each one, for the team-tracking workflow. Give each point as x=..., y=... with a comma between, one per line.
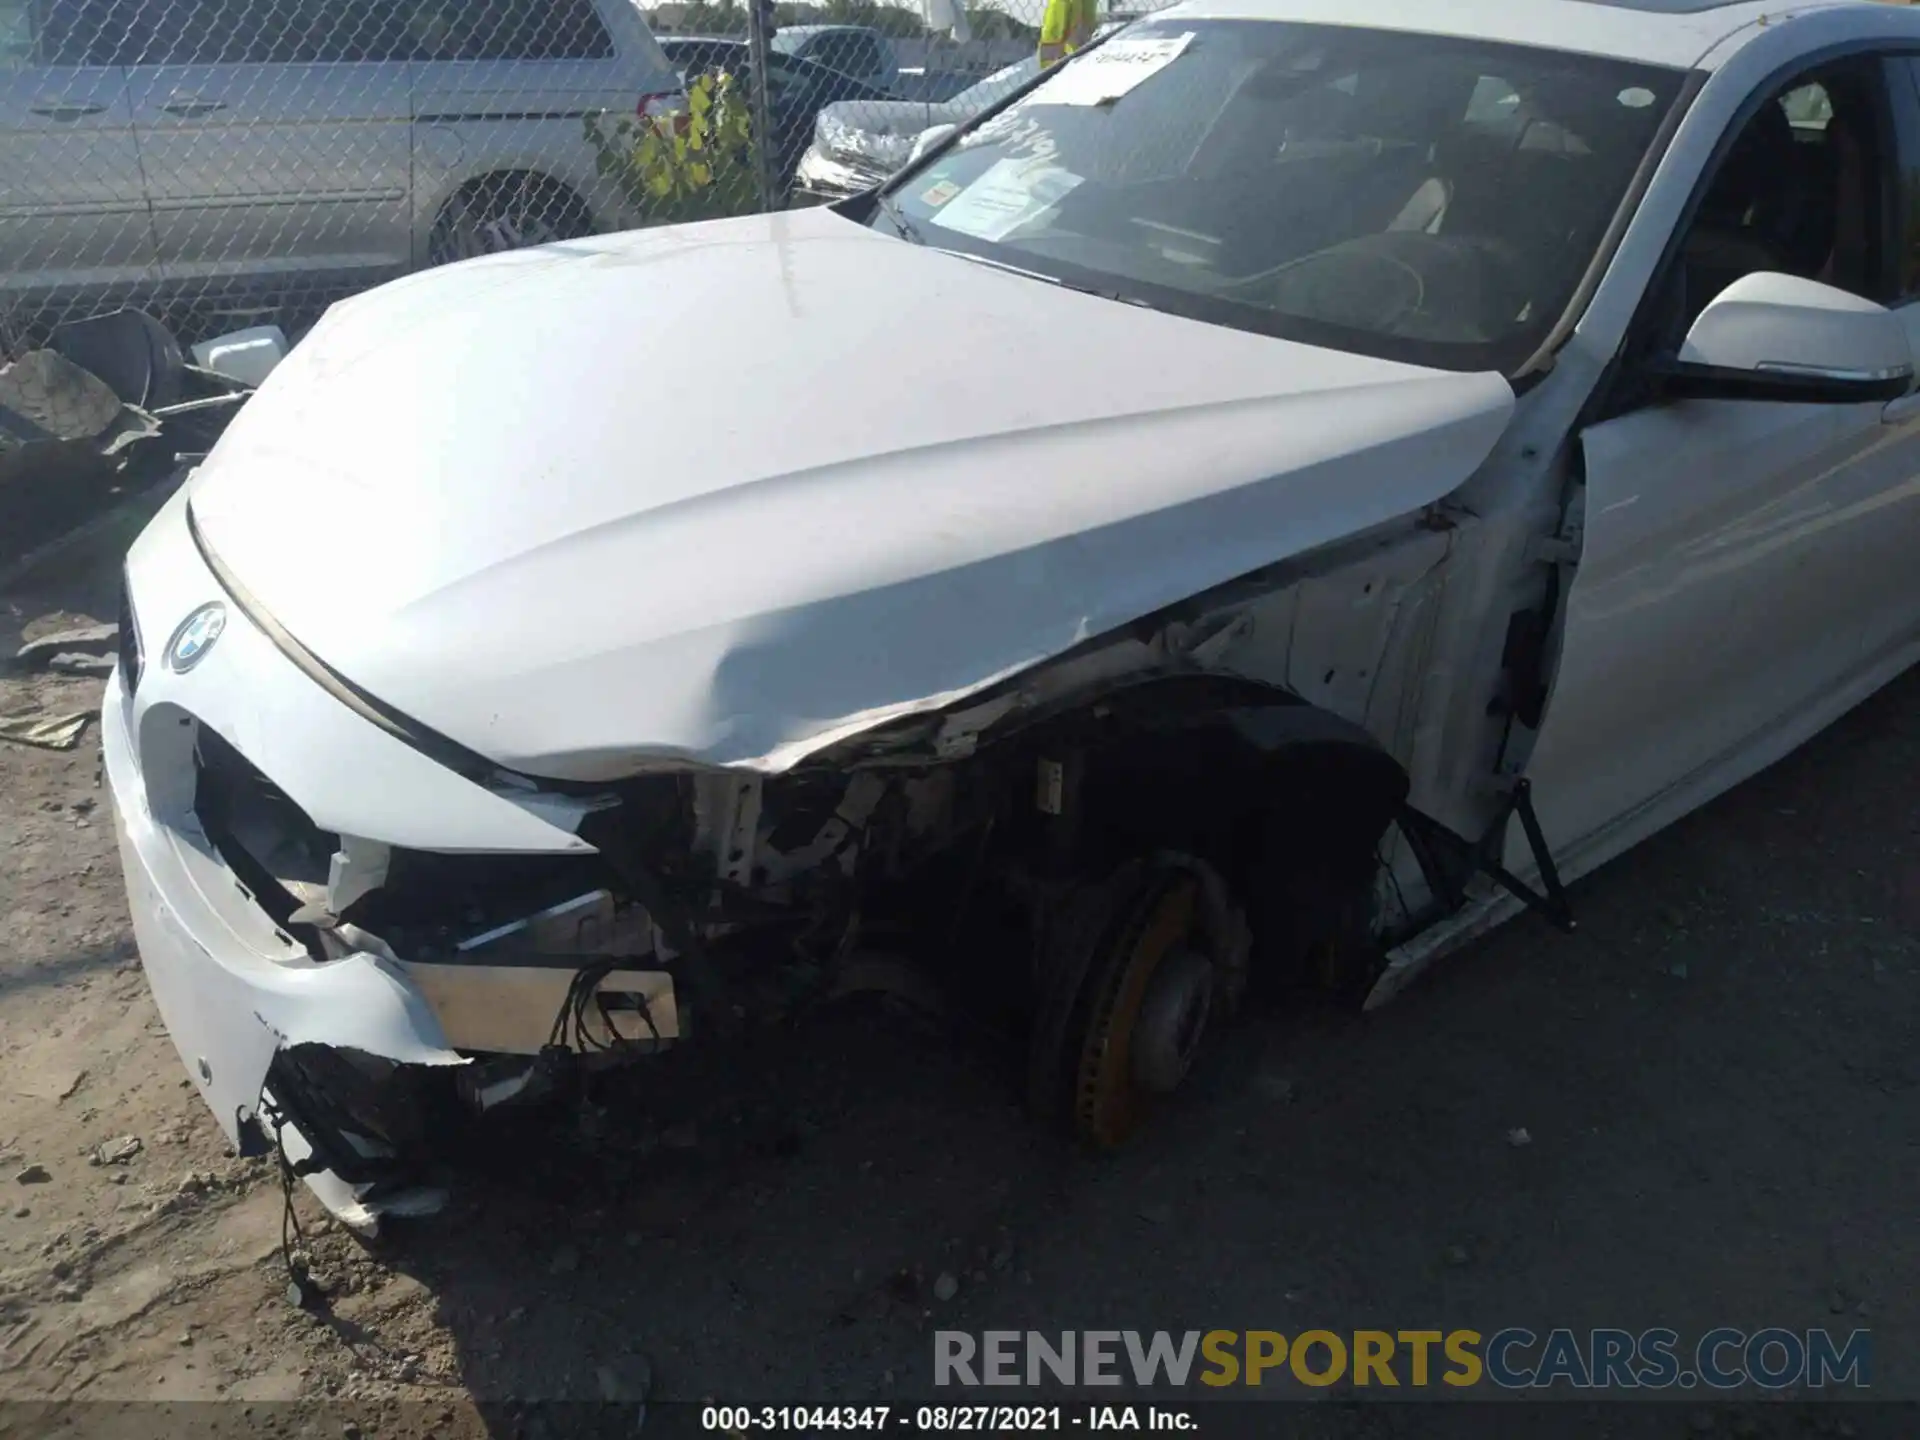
x=100, y=413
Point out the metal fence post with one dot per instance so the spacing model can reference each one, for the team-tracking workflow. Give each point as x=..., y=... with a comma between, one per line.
x=760, y=24
x=243, y=189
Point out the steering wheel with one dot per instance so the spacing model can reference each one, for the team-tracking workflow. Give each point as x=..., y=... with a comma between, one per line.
x=1349, y=284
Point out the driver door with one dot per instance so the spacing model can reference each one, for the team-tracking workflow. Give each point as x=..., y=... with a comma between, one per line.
x=1746, y=566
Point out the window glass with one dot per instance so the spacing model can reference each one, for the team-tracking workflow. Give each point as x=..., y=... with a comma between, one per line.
x=1808, y=107
x=205, y=32
x=1403, y=195
x=89, y=32
x=511, y=30
x=781, y=75
x=16, y=33
x=851, y=52
x=690, y=57
x=348, y=30
x=1799, y=192
x=1493, y=100
x=280, y=32
x=1904, y=78
x=694, y=58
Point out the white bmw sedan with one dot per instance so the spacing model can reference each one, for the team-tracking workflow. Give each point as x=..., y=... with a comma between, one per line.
x=1376, y=461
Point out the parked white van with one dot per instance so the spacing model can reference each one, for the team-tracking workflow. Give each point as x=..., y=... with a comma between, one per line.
x=177, y=148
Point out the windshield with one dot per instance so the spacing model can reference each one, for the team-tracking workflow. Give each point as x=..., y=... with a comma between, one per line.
x=1409, y=196
x=998, y=85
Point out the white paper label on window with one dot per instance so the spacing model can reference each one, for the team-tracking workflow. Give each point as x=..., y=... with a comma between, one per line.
x=1007, y=194
x=1105, y=74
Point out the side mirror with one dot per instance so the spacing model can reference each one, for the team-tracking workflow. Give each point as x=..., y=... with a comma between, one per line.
x=1777, y=337
x=928, y=139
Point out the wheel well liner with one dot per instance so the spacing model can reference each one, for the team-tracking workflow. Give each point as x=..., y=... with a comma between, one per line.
x=1242, y=773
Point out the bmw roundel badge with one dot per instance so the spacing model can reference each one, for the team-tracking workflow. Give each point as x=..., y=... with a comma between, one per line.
x=195, y=637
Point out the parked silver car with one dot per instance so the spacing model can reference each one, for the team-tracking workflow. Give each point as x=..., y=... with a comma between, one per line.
x=181, y=148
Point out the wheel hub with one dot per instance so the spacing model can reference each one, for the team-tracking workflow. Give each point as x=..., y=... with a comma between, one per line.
x=1173, y=1017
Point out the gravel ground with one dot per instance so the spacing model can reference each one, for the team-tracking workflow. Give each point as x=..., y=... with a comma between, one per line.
x=1717, y=1077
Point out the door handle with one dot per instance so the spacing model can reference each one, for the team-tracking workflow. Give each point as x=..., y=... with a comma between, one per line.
x=1898, y=412
x=66, y=112
x=187, y=107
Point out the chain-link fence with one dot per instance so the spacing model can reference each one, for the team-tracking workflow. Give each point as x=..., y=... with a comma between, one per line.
x=219, y=162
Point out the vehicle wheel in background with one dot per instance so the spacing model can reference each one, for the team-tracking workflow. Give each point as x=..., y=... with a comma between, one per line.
x=506, y=212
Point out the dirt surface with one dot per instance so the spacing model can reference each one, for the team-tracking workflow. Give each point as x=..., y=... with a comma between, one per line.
x=1718, y=1079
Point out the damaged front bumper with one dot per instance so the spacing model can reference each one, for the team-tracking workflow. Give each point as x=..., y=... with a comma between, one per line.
x=236, y=983
x=232, y=987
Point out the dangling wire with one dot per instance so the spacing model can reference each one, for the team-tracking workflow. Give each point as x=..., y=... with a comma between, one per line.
x=571, y=1029
x=293, y=1240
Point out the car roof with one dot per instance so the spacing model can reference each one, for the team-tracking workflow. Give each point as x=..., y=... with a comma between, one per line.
x=1677, y=33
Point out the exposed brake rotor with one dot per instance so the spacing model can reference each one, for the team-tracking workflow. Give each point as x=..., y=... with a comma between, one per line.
x=1149, y=962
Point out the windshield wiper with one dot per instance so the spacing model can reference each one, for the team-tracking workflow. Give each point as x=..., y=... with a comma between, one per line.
x=908, y=230
x=1042, y=275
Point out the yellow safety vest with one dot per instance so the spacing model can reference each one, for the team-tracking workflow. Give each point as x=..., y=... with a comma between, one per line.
x=1065, y=26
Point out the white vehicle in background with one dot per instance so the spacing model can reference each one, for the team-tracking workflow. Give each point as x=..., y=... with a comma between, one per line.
x=859, y=143
x=1384, y=460
x=161, y=149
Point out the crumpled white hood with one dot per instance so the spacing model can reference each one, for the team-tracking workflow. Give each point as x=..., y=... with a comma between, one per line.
x=718, y=493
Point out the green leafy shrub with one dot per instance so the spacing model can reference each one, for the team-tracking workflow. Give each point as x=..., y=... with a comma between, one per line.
x=696, y=164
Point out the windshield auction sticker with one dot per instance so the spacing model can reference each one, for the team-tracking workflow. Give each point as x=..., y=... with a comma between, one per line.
x=1007, y=194
x=1104, y=74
